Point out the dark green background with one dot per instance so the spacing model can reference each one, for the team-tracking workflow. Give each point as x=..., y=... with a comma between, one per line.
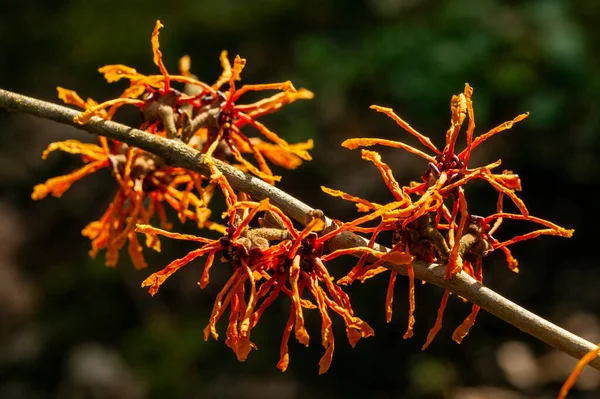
x=71, y=328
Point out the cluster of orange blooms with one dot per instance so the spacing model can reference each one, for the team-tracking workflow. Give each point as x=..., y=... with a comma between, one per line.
x=429, y=219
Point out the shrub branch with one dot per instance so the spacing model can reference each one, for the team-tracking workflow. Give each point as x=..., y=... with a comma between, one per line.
x=178, y=154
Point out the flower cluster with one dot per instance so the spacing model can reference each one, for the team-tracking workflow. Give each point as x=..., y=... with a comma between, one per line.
x=268, y=256
x=427, y=225
x=203, y=116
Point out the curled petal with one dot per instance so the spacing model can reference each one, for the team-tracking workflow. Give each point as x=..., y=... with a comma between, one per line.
x=274, y=103
x=351, y=251
x=386, y=173
x=302, y=153
x=114, y=73
x=358, y=268
x=133, y=91
x=389, y=297
x=505, y=126
x=205, y=273
x=510, y=193
x=458, y=106
x=327, y=339
x=135, y=253
x=244, y=346
x=238, y=65
x=509, y=180
x=284, y=355
x=550, y=232
x=85, y=116
x=393, y=256
x=131, y=217
x=301, y=333
x=585, y=360
x=423, y=139
x=411, y=301
x=230, y=288
x=455, y=263
x=438, y=321
x=286, y=86
x=226, y=74
x=371, y=271
x=146, y=229
x=513, y=264
x=153, y=242
x=58, y=185
x=353, y=144
x=355, y=327
x=267, y=176
x=461, y=331
x=362, y=204
x=560, y=231
x=90, y=151
x=468, y=93
x=235, y=142
x=280, y=156
x=158, y=54
x=70, y=97
x=235, y=300
x=156, y=279
x=264, y=288
x=373, y=215
x=397, y=257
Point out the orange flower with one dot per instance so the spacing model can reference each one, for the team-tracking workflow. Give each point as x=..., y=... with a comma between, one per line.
x=406, y=219
x=231, y=117
x=418, y=232
x=161, y=101
x=144, y=184
x=249, y=254
x=143, y=187
x=477, y=242
x=304, y=268
x=266, y=261
x=213, y=117
x=461, y=331
x=425, y=228
x=446, y=162
x=93, y=155
x=449, y=169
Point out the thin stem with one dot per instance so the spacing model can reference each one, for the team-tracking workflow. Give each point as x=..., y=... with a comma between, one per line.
x=176, y=153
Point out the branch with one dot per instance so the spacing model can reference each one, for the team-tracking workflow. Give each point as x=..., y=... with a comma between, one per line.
x=176, y=153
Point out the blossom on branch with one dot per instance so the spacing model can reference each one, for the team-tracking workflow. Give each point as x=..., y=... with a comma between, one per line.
x=224, y=130
x=204, y=118
x=267, y=260
x=424, y=225
x=144, y=183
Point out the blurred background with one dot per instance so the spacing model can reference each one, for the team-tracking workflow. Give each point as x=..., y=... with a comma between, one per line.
x=72, y=328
